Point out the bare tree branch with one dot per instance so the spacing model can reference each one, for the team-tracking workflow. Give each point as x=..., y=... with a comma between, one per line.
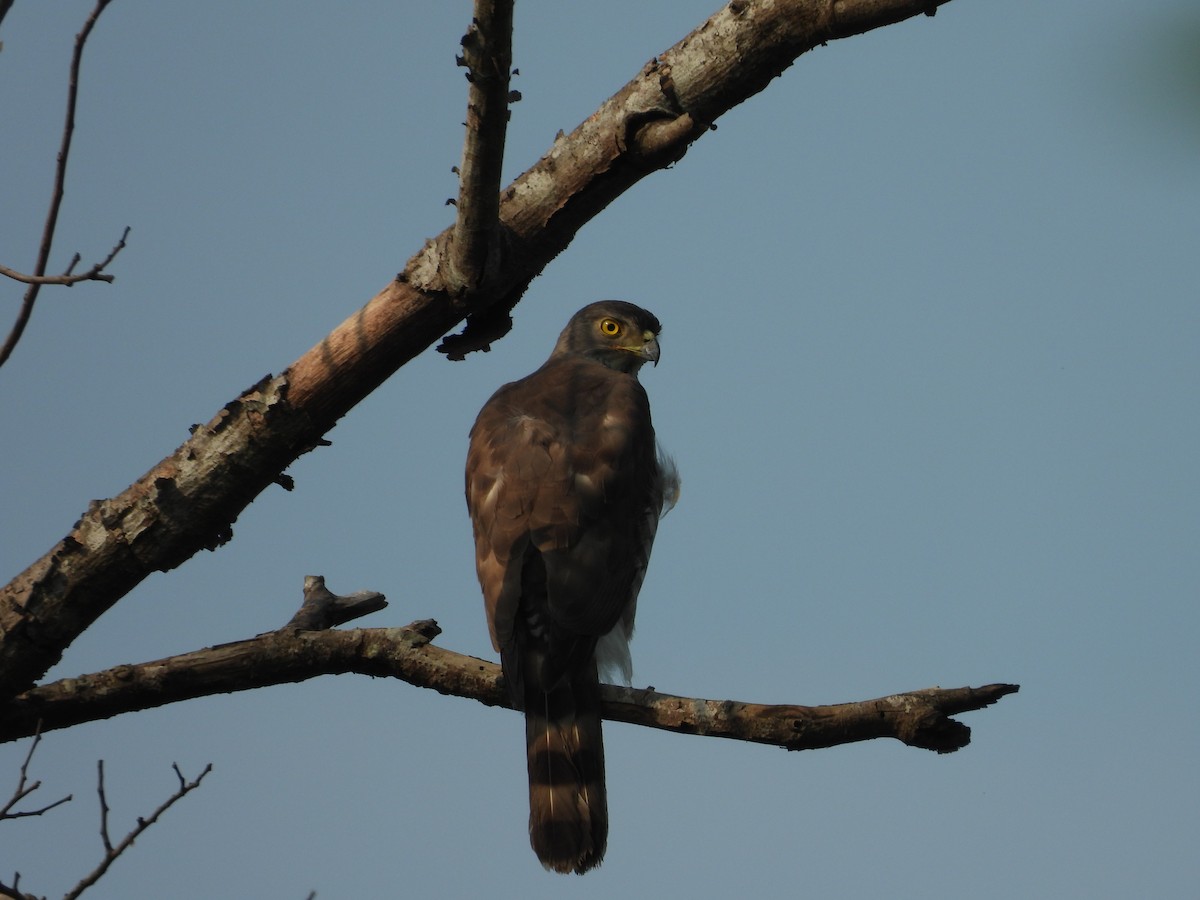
x=189, y=500
x=95, y=273
x=60, y=177
x=24, y=787
x=13, y=890
x=487, y=56
x=918, y=718
x=104, y=810
x=113, y=852
x=324, y=609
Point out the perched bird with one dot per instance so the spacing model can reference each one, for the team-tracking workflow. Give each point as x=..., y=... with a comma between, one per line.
x=565, y=486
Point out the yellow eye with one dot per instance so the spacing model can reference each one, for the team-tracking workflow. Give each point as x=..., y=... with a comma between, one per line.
x=610, y=326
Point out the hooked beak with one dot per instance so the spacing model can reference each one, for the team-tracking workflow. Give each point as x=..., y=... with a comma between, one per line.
x=649, y=349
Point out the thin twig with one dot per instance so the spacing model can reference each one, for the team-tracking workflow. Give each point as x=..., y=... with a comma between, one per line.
x=111, y=853
x=104, y=810
x=95, y=273
x=25, y=788
x=60, y=177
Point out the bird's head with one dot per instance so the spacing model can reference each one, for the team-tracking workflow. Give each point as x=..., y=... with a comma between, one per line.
x=620, y=335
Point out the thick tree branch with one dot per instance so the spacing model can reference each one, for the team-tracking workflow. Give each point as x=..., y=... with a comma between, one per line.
x=487, y=56
x=60, y=177
x=189, y=501
x=918, y=718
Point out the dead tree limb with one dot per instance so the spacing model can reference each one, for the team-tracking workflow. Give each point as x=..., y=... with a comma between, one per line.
x=918, y=718
x=324, y=609
x=487, y=57
x=188, y=501
x=56, y=197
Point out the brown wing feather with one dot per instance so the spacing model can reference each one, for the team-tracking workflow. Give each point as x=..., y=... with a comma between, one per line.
x=564, y=461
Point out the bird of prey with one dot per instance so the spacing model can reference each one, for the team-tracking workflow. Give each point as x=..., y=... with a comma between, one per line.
x=565, y=487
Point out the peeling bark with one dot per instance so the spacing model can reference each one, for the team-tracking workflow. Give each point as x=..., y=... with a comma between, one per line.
x=186, y=503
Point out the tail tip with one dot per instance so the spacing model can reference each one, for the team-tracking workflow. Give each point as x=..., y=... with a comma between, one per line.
x=564, y=850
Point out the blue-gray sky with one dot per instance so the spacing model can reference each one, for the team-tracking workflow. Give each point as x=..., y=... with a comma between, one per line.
x=930, y=370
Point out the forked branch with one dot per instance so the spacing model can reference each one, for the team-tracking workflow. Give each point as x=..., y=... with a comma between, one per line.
x=25, y=787
x=38, y=278
x=113, y=851
x=68, y=277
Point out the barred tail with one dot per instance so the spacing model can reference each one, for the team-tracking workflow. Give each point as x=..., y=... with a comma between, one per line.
x=568, y=807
